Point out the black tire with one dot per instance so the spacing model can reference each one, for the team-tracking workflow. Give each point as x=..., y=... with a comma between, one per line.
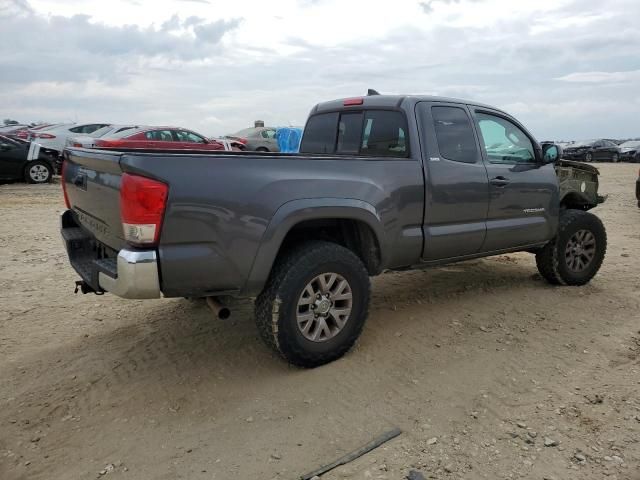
x=262, y=149
x=588, y=157
x=615, y=158
x=38, y=172
x=277, y=306
x=551, y=260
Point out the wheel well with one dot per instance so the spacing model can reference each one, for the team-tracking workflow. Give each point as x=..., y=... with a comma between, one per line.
x=355, y=235
x=573, y=200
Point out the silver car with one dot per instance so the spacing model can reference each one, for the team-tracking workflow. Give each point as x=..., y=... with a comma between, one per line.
x=88, y=141
x=259, y=139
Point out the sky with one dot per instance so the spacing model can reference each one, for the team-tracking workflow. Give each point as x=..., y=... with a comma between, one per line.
x=567, y=69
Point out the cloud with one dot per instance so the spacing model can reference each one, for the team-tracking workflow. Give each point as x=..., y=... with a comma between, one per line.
x=13, y=8
x=216, y=70
x=428, y=6
x=214, y=31
x=601, y=77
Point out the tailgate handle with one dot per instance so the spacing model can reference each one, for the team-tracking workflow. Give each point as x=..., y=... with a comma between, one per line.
x=80, y=180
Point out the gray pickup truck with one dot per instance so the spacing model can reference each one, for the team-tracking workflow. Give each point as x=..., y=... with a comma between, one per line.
x=382, y=183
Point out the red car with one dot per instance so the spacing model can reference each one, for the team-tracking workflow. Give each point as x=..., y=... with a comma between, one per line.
x=158, y=138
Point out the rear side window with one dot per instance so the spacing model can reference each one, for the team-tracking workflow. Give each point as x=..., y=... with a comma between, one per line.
x=454, y=134
x=385, y=134
x=268, y=134
x=320, y=134
x=159, y=135
x=188, y=137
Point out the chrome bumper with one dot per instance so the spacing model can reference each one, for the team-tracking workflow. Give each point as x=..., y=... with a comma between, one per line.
x=131, y=274
x=137, y=275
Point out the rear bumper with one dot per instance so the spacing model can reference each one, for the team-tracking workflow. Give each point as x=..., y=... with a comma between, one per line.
x=129, y=273
x=136, y=275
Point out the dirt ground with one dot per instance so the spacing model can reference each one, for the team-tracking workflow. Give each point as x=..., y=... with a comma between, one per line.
x=480, y=364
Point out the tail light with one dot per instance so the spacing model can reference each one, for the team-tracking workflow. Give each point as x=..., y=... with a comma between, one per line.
x=64, y=184
x=142, y=205
x=43, y=135
x=75, y=144
x=242, y=140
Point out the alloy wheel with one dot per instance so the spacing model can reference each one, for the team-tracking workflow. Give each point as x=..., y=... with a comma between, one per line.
x=324, y=307
x=580, y=250
x=39, y=173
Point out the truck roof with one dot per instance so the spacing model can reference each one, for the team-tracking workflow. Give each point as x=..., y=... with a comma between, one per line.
x=391, y=101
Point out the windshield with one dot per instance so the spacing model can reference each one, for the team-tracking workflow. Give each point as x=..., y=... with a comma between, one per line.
x=631, y=144
x=582, y=143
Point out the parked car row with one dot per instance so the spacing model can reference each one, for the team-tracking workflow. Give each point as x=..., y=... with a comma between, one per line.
x=603, y=150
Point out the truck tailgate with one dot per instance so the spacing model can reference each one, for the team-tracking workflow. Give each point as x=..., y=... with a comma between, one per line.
x=92, y=181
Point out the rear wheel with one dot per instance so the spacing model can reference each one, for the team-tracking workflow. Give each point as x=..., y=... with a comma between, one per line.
x=577, y=252
x=315, y=303
x=588, y=157
x=615, y=157
x=38, y=172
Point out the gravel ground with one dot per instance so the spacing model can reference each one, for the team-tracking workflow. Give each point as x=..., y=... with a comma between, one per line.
x=490, y=372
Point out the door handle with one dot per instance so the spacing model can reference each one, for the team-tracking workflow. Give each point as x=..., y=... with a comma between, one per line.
x=499, y=181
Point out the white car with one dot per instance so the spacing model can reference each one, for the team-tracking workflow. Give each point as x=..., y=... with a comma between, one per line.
x=88, y=141
x=55, y=137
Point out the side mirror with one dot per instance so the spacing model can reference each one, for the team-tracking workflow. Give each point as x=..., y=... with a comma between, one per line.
x=4, y=147
x=550, y=153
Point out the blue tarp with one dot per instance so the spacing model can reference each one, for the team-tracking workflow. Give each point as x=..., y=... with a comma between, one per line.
x=289, y=139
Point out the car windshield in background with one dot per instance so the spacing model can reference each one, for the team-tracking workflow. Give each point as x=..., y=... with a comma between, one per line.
x=631, y=144
x=582, y=143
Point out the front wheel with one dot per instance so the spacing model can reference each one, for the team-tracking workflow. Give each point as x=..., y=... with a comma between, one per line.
x=38, y=172
x=315, y=303
x=575, y=255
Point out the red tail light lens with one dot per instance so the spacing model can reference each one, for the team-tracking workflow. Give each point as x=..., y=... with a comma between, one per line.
x=142, y=205
x=353, y=101
x=44, y=135
x=64, y=184
x=75, y=144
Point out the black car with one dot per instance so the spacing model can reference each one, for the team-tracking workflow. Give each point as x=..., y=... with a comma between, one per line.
x=21, y=160
x=593, y=151
x=630, y=151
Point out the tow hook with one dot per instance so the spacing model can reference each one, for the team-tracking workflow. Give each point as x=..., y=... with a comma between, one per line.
x=84, y=287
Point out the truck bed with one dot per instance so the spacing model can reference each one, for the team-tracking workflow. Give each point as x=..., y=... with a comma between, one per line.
x=227, y=212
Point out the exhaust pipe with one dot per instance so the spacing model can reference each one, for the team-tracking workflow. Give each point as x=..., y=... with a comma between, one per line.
x=219, y=310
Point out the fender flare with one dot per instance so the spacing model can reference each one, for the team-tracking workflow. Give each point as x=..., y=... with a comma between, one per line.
x=292, y=213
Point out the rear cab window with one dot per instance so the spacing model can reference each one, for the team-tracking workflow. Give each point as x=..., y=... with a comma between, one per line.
x=373, y=132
